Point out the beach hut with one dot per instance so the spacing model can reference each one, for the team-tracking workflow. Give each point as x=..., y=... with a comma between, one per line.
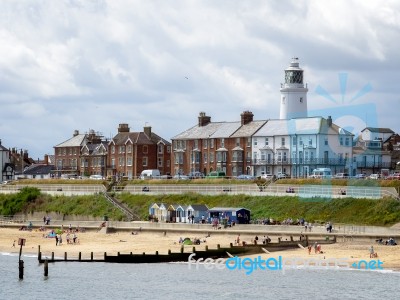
x=181, y=213
x=198, y=211
x=172, y=213
x=154, y=211
x=159, y=212
x=163, y=213
x=239, y=215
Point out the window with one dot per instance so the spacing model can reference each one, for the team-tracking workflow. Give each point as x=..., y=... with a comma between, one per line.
x=160, y=162
x=248, y=141
x=129, y=148
x=205, y=158
x=212, y=157
x=283, y=142
x=222, y=143
x=301, y=99
x=196, y=144
x=168, y=149
x=129, y=161
x=112, y=149
x=266, y=141
x=145, y=149
x=310, y=142
x=255, y=142
x=205, y=144
x=294, y=140
x=113, y=163
x=121, y=161
x=255, y=155
x=279, y=156
x=341, y=141
x=347, y=142
x=160, y=148
x=301, y=142
x=326, y=141
x=212, y=143
x=144, y=162
x=237, y=142
x=284, y=156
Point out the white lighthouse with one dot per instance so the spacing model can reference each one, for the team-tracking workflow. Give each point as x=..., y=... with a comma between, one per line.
x=293, y=93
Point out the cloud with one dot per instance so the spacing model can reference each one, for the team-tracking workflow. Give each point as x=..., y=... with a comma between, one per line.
x=83, y=65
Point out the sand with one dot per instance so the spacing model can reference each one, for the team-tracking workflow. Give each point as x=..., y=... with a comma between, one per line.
x=150, y=242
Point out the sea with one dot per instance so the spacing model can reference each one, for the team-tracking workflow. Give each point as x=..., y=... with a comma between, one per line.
x=80, y=280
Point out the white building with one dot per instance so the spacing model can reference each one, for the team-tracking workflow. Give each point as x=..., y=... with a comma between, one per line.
x=297, y=146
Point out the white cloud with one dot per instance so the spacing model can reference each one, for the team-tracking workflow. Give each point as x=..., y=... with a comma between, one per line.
x=94, y=64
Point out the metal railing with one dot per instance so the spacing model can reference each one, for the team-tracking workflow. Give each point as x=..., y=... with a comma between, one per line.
x=303, y=191
x=88, y=188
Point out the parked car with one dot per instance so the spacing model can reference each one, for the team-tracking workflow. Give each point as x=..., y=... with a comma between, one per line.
x=196, y=175
x=150, y=174
x=267, y=176
x=360, y=176
x=180, y=177
x=374, y=176
x=216, y=174
x=245, y=177
x=341, y=175
x=394, y=176
x=282, y=175
x=96, y=177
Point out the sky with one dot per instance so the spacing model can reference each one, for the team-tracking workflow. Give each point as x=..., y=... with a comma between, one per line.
x=81, y=65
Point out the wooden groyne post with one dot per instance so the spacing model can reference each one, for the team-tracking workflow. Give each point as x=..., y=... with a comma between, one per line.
x=46, y=268
x=21, y=242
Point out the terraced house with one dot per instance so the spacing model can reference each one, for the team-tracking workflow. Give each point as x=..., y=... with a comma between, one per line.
x=215, y=146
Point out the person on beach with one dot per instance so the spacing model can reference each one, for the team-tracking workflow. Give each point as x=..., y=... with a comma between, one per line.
x=238, y=240
x=56, y=239
x=309, y=249
x=13, y=246
x=371, y=252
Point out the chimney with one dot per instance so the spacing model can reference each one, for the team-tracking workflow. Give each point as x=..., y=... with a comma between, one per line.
x=329, y=121
x=246, y=117
x=76, y=132
x=46, y=159
x=123, y=127
x=147, y=131
x=203, y=119
x=26, y=156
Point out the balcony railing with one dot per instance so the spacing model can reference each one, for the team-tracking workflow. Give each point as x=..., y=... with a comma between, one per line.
x=299, y=161
x=371, y=164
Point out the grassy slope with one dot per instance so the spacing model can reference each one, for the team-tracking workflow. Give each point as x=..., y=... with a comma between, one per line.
x=355, y=211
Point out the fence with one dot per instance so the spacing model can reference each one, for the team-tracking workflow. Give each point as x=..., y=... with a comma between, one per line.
x=305, y=191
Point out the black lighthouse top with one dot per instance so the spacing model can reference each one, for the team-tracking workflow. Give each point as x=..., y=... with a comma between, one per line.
x=294, y=74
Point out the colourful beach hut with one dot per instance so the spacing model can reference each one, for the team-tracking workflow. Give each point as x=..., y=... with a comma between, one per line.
x=239, y=215
x=181, y=214
x=159, y=212
x=172, y=213
x=198, y=211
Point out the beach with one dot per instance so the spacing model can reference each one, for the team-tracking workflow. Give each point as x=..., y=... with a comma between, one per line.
x=99, y=242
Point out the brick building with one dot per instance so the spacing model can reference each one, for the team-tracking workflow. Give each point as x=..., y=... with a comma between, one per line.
x=129, y=153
